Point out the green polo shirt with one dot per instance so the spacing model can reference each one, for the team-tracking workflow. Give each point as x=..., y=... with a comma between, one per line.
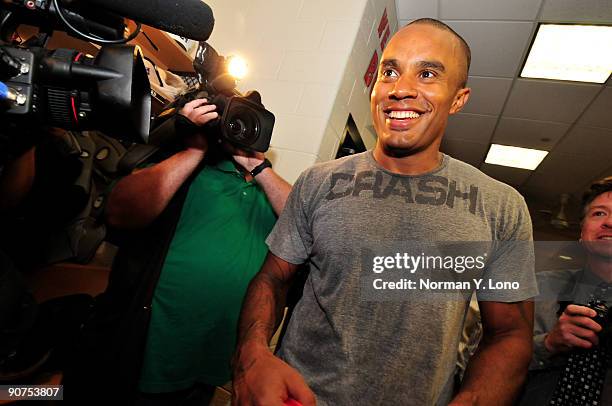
x=218, y=246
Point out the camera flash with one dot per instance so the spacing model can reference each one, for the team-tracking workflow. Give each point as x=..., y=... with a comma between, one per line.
x=237, y=67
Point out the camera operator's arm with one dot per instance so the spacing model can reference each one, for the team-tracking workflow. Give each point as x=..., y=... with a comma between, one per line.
x=276, y=188
x=139, y=198
x=16, y=179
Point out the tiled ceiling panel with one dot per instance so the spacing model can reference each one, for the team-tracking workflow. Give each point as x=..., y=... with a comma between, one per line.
x=511, y=176
x=567, y=173
x=470, y=127
x=540, y=186
x=497, y=47
x=529, y=133
x=599, y=113
x=489, y=9
x=586, y=11
x=587, y=141
x=549, y=100
x=471, y=152
x=488, y=95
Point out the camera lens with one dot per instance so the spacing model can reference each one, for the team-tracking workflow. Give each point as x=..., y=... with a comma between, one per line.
x=237, y=128
x=243, y=126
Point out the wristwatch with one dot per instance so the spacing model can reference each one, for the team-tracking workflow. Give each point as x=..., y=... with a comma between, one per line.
x=257, y=170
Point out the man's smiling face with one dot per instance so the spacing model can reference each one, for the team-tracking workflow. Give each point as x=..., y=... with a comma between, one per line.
x=419, y=84
x=596, y=233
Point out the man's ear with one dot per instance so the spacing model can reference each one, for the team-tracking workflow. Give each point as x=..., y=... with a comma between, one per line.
x=460, y=100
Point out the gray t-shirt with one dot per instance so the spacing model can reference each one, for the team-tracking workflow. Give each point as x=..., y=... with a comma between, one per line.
x=353, y=351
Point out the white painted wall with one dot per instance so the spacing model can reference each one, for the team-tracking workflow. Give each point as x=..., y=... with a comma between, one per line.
x=307, y=59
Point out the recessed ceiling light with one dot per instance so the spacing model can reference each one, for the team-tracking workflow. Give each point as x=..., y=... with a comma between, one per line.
x=515, y=157
x=581, y=53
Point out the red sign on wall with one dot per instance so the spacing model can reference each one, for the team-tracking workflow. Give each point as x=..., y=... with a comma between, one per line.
x=384, y=32
x=385, y=38
x=371, y=72
x=384, y=21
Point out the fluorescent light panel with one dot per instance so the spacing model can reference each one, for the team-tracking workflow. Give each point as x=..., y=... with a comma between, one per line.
x=515, y=157
x=581, y=53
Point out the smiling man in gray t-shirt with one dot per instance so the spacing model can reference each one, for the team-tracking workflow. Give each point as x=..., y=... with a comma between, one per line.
x=346, y=345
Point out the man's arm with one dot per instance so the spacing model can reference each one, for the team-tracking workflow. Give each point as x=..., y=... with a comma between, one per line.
x=259, y=377
x=498, y=369
x=276, y=188
x=139, y=198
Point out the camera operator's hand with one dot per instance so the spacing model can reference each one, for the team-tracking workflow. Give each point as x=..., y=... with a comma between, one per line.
x=276, y=188
x=199, y=112
x=260, y=378
x=247, y=159
x=575, y=328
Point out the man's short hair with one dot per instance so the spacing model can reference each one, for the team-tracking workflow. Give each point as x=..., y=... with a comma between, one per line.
x=464, y=46
x=596, y=189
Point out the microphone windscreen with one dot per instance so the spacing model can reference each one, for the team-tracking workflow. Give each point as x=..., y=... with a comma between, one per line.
x=187, y=18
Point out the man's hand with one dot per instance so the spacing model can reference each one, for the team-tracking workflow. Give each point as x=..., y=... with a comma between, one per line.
x=247, y=159
x=575, y=328
x=260, y=378
x=199, y=112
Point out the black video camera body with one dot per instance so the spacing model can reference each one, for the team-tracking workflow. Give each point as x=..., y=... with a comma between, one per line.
x=68, y=89
x=243, y=120
x=65, y=88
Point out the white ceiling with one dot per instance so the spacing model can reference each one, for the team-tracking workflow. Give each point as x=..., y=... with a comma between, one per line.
x=571, y=120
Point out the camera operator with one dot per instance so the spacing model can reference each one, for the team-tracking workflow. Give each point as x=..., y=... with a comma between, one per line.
x=202, y=216
x=569, y=326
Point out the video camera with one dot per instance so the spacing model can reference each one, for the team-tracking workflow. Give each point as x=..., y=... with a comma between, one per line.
x=109, y=92
x=243, y=120
x=66, y=88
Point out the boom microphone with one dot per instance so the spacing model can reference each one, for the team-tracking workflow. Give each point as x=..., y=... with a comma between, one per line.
x=188, y=18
